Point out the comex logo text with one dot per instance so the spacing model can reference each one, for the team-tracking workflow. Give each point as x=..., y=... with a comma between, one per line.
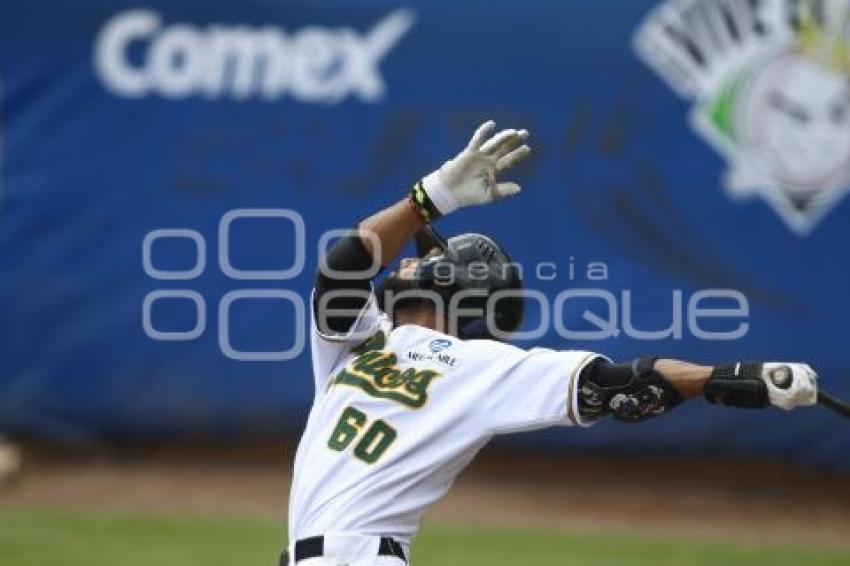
x=313, y=64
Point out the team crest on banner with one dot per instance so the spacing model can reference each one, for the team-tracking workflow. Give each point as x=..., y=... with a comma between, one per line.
x=770, y=81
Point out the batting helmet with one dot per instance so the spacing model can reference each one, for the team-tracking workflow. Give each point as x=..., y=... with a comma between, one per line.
x=471, y=262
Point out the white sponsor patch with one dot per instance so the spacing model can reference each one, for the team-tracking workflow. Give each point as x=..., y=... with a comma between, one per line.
x=442, y=358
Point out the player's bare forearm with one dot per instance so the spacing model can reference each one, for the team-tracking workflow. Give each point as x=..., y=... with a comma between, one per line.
x=688, y=379
x=390, y=229
x=743, y=384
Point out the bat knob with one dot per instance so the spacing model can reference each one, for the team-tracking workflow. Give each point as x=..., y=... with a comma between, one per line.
x=781, y=377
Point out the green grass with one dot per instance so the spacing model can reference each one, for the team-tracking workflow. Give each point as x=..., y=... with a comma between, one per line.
x=35, y=537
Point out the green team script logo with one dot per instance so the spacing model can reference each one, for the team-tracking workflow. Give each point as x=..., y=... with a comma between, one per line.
x=770, y=80
x=376, y=372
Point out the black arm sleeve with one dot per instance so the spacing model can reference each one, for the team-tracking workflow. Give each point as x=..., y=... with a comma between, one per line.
x=348, y=254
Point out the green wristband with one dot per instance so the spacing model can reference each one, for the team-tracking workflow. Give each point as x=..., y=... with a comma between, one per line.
x=423, y=203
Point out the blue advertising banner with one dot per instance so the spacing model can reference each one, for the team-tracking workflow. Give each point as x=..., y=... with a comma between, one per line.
x=169, y=169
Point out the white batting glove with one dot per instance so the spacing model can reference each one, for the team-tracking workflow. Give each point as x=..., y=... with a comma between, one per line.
x=470, y=178
x=790, y=385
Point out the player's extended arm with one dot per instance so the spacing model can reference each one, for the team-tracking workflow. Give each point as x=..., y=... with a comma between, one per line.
x=649, y=387
x=467, y=179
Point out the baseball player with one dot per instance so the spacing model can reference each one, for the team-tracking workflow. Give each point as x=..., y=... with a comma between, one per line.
x=413, y=378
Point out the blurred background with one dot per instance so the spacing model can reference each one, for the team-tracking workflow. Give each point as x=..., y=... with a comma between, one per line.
x=168, y=168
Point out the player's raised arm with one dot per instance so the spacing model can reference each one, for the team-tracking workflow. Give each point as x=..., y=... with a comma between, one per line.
x=470, y=178
x=467, y=179
x=649, y=387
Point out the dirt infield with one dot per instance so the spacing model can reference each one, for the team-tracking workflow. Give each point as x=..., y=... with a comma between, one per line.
x=752, y=500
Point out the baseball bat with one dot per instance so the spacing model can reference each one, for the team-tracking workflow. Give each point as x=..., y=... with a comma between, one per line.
x=833, y=403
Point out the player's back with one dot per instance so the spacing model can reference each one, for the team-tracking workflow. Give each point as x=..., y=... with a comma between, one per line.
x=396, y=417
x=386, y=436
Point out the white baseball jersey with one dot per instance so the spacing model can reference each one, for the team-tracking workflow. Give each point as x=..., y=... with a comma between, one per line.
x=399, y=412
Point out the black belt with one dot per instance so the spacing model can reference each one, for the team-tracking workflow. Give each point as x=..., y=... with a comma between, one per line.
x=314, y=547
